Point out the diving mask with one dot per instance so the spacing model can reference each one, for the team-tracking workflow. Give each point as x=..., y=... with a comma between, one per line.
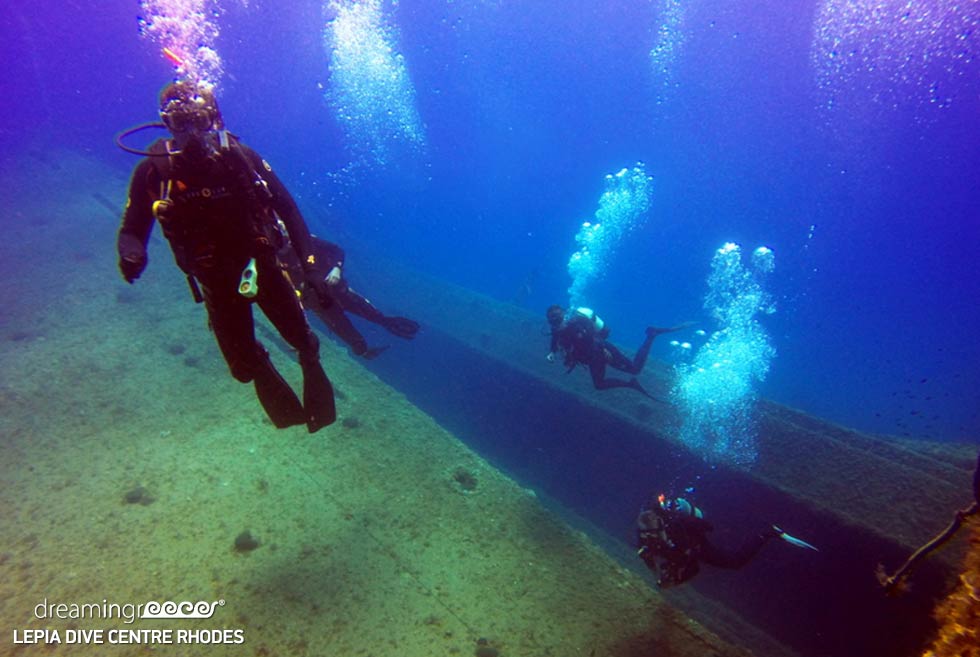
x=185, y=115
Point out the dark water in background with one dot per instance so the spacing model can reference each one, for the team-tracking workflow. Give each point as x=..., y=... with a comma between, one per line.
x=527, y=106
x=872, y=206
x=603, y=469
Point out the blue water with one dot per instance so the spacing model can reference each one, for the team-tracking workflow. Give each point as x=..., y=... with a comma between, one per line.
x=864, y=182
x=863, y=177
x=847, y=144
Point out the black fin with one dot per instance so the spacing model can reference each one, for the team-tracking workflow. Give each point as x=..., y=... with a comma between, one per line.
x=279, y=401
x=635, y=385
x=659, y=330
x=373, y=352
x=403, y=327
x=318, y=400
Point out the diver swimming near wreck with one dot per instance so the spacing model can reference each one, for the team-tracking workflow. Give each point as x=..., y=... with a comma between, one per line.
x=581, y=338
x=672, y=538
x=218, y=204
x=331, y=302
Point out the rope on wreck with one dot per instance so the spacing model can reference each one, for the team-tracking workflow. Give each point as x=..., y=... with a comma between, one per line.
x=893, y=583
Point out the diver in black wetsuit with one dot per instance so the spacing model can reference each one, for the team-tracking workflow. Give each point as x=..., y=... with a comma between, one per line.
x=672, y=537
x=216, y=201
x=582, y=339
x=339, y=298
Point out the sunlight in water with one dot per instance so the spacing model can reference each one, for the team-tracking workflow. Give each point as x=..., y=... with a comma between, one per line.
x=888, y=51
x=185, y=28
x=622, y=208
x=370, y=88
x=716, y=392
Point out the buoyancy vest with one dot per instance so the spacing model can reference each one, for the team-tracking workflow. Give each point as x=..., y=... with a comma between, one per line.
x=577, y=337
x=211, y=212
x=590, y=315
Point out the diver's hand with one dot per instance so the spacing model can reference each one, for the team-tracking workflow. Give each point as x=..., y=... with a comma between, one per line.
x=333, y=277
x=316, y=285
x=132, y=256
x=132, y=265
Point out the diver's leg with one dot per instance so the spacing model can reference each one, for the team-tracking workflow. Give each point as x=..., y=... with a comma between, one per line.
x=230, y=316
x=335, y=317
x=617, y=360
x=597, y=368
x=734, y=559
x=614, y=358
x=355, y=303
x=640, y=359
x=337, y=321
x=277, y=299
x=231, y=320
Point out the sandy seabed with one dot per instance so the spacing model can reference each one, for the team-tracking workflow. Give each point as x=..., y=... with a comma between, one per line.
x=130, y=463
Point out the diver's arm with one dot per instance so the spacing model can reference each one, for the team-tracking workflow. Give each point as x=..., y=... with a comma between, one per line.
x=332, y=253
x=553, y=352
x=286, y=208
x=692, y=524
x=329, y=255
x=137, y=222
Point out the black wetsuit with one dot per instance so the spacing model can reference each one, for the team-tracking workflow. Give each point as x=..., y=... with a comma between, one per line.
x=674, y=544
x=582, y=344
x=217, y=215
x=342, y=299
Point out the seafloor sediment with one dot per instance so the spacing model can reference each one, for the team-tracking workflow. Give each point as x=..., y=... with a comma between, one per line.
x=131, y=463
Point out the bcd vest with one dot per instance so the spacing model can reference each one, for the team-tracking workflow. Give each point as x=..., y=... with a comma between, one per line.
x=210, y=211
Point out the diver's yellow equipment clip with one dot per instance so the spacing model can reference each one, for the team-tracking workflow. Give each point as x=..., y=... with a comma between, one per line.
x=161, y=207
x=164, y=205
x=248, y=287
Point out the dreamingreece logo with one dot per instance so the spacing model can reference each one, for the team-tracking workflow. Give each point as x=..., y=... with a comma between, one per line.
x=127, y=612
x=185, y=609
x=157, y=634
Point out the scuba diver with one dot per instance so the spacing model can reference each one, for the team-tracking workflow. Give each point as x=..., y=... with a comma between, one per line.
x=672, y=536
x=339, y=298
x=216, y=201
x=581, y=338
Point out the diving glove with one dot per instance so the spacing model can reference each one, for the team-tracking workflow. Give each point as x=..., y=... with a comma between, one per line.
x=132, y=257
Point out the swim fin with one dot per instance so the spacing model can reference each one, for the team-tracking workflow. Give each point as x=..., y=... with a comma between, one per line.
x=657, y=330
x=792, y=540
x=318, y=402
x=403, y=327
x=373, y=352
x=279, y=401
x=635, y=385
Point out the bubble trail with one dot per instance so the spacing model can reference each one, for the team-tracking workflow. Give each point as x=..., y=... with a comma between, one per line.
x=716, y=392
x=186, y=32
x=622, y=209
x=370, y=89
